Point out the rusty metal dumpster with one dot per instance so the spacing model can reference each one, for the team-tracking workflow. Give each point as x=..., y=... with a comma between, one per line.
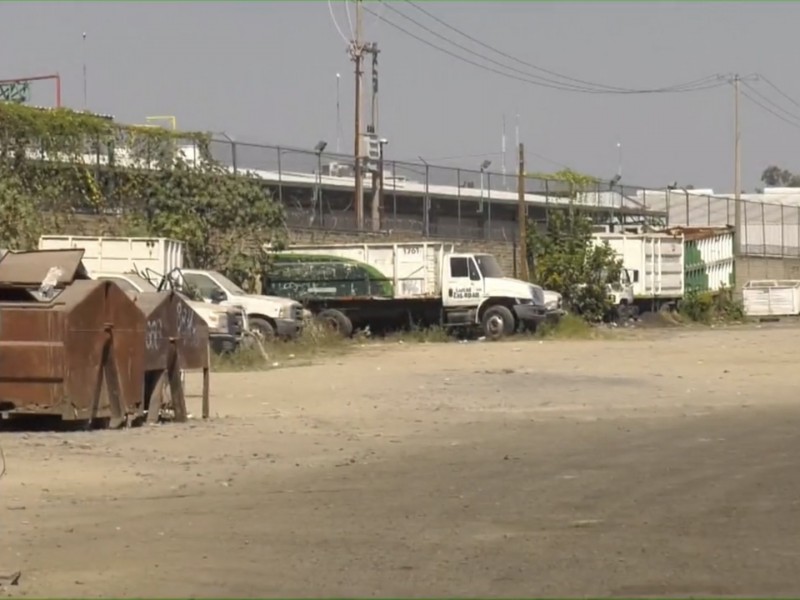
x=175, y=339
x=68, y=345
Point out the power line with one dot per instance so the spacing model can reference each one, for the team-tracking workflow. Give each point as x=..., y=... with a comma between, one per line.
x=769, y=110
x=610, y=88
x=771, y=102
x=777, y=89
x=704, y=83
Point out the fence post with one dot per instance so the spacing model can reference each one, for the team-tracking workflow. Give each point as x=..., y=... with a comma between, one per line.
x=668, y=195
x=458, y=203
x=783, y=251
x=488, y=232
x=708, y=211
x=728, y=211
x=233, y=157
x=280, y=176
x=547, y=202
x=394, y=192
x=798, y=231
x=763, y=230
x=743, y=233
x=686, y=193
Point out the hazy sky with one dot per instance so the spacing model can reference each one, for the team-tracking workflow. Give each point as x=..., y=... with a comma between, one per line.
x=266, y=71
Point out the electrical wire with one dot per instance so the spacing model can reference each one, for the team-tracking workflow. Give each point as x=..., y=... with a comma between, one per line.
x=777, y=89
x=771, y=102
x=509, y=56
x=769, y=110
x=610, y=88
x=336, y=24
x=705, y=83
x=349, y=19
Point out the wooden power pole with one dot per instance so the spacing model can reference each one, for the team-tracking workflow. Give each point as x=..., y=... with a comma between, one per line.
x=357, y=53
x=522, y=216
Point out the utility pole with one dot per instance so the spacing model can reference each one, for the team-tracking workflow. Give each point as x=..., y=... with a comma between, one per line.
x=737, y=174
x=356, y=54
x=522, y=216
x=376, y=177
x=738, y=225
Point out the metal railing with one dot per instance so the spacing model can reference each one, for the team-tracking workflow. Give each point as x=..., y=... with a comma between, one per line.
x=437, y=201
x=317, y=191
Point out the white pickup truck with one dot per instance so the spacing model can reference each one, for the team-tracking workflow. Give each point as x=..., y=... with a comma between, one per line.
x=162, y=259
x=267, y=316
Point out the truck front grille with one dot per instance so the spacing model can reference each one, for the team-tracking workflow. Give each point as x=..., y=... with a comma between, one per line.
x=236, y=323
x=297, y=312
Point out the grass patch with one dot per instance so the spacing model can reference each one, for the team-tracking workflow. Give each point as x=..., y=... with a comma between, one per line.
x=315, y=341
x=709, y=307
x=568, y=327
x=420, y=335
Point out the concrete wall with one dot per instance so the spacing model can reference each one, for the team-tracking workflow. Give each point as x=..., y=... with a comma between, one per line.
x=504, y=252
x=758, y=267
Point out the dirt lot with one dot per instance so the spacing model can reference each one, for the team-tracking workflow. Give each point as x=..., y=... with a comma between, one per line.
x=667, y=464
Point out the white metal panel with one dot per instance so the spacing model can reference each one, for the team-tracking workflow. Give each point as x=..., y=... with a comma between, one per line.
x=413, y=267
x=121, y=255
x=658, y=258
x=771, y=298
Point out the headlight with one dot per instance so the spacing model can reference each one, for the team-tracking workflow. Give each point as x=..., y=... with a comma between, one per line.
x=283, y=312
x=218, y=320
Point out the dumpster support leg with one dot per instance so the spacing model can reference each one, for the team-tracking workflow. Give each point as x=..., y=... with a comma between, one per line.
x=175, y=387
x=206, y=403
x=156, y=398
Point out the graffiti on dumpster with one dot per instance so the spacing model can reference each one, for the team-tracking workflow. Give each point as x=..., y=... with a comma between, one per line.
x=187, y=328
x=154, y=333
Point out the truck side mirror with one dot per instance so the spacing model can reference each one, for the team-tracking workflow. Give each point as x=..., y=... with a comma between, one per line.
x=217, y=296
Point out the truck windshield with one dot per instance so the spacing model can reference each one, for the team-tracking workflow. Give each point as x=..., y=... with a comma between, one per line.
x=229, y=286
x=488, y=265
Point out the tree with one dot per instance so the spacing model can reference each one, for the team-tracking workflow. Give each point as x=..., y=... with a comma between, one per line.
x=774, y=176
x=565, y=258
x=67, y=172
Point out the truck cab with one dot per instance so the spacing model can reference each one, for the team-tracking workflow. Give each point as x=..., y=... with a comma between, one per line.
x=475, y=290
x=269, y=317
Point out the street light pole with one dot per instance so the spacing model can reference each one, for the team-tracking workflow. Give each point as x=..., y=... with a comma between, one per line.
x=484, y=165
x=381, y=209
x=426, y=207
x=321, y=145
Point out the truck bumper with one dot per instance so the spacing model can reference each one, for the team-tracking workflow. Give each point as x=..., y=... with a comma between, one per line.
x=530, y=315
x=288, y=328
x=223, y=343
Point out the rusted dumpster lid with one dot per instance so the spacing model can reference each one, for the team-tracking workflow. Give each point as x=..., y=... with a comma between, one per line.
x=28, y=269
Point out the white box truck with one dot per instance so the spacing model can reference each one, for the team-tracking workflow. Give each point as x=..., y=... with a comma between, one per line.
x=390, y=285
x=161, y=258
x=653, y=269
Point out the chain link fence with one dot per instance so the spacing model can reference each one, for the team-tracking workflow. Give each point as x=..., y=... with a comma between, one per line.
x=317, y=191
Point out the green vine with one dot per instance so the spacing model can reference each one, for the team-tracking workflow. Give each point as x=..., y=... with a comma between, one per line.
x=64, y=172
x=576, y=182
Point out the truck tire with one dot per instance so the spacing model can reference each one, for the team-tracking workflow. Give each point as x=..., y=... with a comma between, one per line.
x=262, y=328
x=497, y=322
x=337, y=321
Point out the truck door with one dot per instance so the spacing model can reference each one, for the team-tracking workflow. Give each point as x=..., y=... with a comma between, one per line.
x=464, y=284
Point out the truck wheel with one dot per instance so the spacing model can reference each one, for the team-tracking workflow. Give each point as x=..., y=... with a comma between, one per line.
x=262, y=328
x=337, y=321
x=497, y=322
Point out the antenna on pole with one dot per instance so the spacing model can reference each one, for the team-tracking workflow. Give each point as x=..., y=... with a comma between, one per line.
x=85, y=86
x=503, y=149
